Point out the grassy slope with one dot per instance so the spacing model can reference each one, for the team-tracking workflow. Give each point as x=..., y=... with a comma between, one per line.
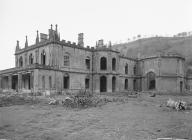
x=154, y=45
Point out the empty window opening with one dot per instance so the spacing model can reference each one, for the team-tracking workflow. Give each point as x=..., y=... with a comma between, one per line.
x=151, y=82
x=103, y=84
x=66, y=60
x=43, y=58
x=126, y=84
x=87, y=83
x=66, y=82
x=87, y=62
x=113, y=84
x=103, y=63
x=135, y=70
x=126, y=69
x=21, y=61
x=43, y=82
x=50, y=82
x=114, y=64
x=30, y=59
x=181, y=86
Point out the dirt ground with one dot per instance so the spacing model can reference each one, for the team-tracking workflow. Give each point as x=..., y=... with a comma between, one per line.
x=138, y=119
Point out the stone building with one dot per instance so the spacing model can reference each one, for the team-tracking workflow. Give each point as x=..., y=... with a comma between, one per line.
x=58, y=65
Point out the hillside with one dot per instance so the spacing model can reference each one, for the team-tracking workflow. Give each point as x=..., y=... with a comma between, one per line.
x=155, y=45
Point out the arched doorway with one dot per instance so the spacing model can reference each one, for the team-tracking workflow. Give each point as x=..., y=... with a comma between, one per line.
x=103, y=84
x=151, y=81
x=113, y=84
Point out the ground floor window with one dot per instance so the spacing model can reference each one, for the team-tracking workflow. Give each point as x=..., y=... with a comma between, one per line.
x=87, y=83
x=66, y=82
x=113, y=84
x=50, y=82
x=126, y=84
x=103, y=84
x=43, y=82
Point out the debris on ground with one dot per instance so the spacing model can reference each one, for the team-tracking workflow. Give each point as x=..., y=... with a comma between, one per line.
x=53, y=101
x=15, y=99
x=178, y=105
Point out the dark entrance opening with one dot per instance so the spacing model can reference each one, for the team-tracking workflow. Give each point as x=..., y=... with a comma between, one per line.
x=151, y=81
x=113, y=84
x=103, y=84
x=134, y=85
x=181, y=86
x=66, y=82
x=126, y=84
x=26, y=81
x=87, y=83
x=15, y=82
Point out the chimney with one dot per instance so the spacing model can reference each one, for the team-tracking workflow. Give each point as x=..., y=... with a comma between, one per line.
x=17, y=46
x=80, y=40
x=43, y=37
x=100, y=43
x=26, y=42
x=37, y=37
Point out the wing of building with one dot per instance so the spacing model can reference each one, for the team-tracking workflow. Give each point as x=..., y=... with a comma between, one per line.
x=52, y=64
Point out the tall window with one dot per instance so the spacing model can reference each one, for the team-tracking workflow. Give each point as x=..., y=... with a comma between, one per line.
x=126, y=84
x=66, y=82
x=113, y=64
x=21, y=61
x=135, y=70
x=87, y=83
x=66, y=60
x=126, y=69
x=43, y=58
x=87, y=62
x=30, y=59
x=50, y=82
x=43, y=82
x=103, y=63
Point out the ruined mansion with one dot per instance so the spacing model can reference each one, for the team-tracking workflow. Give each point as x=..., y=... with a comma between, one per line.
x=52, y=64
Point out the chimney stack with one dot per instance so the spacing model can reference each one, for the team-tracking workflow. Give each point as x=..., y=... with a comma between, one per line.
x=17, y=46
x=100, y=43
x=80, y=40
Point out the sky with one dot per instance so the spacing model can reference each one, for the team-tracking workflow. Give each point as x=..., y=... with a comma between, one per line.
x=111, y=20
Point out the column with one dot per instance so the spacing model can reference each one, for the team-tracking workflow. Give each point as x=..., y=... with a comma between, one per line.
x=19, y=81
x=10, y=82
x=31, y=80
x=0, y=83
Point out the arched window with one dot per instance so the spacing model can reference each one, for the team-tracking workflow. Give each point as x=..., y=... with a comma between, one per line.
x=43, y=82
x=151, y=80
x=126, y=69
x=126, y=84
x=103, y=84
x=114, y=64
x=113, y=84
x=66, y=60
x=21, y=61
x=103, y=63
x=66, y=81
x=87, y=83
x=43, y=58
x=87, y=62
x=135, y=70
x=30, y=59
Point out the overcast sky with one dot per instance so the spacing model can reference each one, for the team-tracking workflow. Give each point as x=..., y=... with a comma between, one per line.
x=115, y=20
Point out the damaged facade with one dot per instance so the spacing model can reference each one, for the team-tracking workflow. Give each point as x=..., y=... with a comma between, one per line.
x=58, y=65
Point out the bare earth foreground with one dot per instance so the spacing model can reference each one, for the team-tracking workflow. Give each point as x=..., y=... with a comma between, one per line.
x=138, y=119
